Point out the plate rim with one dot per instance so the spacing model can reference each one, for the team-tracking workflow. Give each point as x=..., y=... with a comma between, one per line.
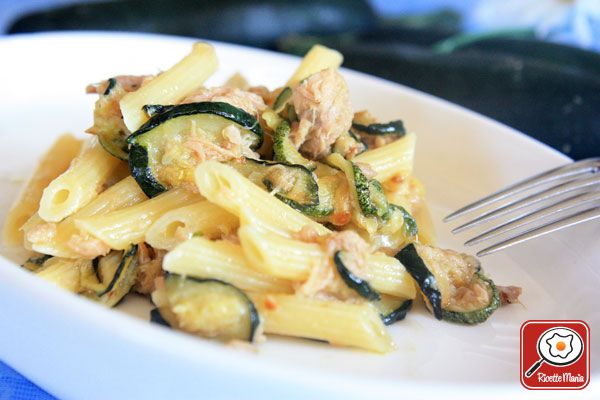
x=83, y=310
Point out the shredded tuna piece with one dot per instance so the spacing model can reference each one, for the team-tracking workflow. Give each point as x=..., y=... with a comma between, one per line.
x=234, y=142
x=250, y=102
x=509, y=294
x=267, y=95
x=87, y=246
x=322, y=104
x=307, y=234
x=149, y=268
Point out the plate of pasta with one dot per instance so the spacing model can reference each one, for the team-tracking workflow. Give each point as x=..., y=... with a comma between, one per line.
x=222, y=217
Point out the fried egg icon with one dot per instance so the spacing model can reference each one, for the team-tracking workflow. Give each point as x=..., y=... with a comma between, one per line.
x=560, y=346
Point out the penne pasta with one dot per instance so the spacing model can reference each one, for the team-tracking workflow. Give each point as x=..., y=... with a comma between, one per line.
x=280, y=256
x=67, y=241
x=224, y=186
x=171, y=86
x=343, y=324
x=393, y=159
x=79, y=184
x=223, y=260
x=317, y=59
x=203, y=218
x=53, y=163
x=121, y=228
x=293, y=259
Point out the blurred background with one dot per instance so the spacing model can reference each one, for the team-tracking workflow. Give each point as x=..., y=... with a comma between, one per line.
x=531, y=64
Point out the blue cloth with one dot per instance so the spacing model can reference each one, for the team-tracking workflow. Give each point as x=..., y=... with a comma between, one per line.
x=13, y=386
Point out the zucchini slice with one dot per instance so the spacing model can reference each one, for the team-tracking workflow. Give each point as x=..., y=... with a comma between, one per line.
x=209, y=308
x=116, y=273
x=349, y=145
x=158, y=155
x=157, y=318
x=35, y=263
x=416, y=267
x=282, y=100
x=154, y=109
x=409, y=225
x=390, y=128
x=284, y=150
x=360, y=285
x=293, y=184
x=393, y=309
x=453, y=283
x=369, y=193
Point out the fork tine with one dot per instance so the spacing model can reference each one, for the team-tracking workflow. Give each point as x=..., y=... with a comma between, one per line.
x=571, y=220
x=534, y=216
x=581, y=167
x=530, y=200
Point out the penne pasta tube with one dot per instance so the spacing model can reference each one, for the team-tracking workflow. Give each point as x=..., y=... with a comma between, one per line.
x=278, y=255
x=203, y=218
x=79, y=184
x=393, y=159
x=66, y=240
x=224, y=186
x=293, y=259
x=317, y=59
x=121, y=228
x=53, y=163
x=171, y=86
x=339, y=323
x=223, y=260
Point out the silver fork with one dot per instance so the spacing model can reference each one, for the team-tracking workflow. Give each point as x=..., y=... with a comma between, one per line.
x=579, y=187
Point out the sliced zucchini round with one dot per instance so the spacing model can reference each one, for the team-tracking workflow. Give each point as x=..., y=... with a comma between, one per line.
x=157, y=318
x=409, y=225
x=284, y=150
x=115, y=274
x=35, y=263
x=209, y=308
x=349, y=145
x=292, y=182
x=282, y=100
x=390, y=128
x=360, y=285
x=154, y=109
x=392, y=309
x=460, y=292
x=417, y=268
x=158, y=155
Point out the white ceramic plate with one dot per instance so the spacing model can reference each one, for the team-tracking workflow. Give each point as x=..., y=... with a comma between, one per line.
x=76, y=349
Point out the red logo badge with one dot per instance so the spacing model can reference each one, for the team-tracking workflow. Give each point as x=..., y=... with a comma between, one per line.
x=555, y=354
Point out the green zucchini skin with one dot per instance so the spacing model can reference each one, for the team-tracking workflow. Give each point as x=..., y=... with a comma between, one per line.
x=139, y=162
x=153, y=109
x=225, y=110
x=378, y=200
x=398, y=314
x=253, y=316
x=281, y=100
x=121, y=282
x=395, y=127
x=35, y=263
x=410, y=224
x=416, y=267
x=476, y=316
x=157, y=318
x=306, y=180
x=111, y=85
x=360, y=285
x=284, y=150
